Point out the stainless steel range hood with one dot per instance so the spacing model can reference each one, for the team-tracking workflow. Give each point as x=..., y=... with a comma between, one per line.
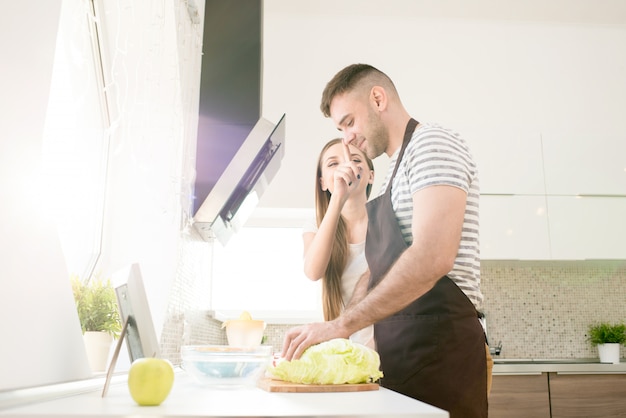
x=241, y=185
x=238, y=152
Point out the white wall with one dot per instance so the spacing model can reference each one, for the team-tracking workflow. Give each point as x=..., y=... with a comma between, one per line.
x=152, y=71
x=496, y=71
x=492, y=69
x=41, y=338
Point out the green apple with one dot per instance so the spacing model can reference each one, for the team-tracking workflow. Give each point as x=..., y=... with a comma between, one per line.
x=150, y=380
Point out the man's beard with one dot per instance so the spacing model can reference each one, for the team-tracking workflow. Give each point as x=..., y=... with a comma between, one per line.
x=377, y=138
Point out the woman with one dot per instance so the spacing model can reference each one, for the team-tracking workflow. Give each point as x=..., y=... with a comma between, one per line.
x=334, y=245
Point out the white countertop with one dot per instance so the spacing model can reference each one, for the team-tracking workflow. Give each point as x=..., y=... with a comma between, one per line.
x=189, y=399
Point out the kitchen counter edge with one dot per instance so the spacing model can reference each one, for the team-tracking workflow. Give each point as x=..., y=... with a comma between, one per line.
x=507, y=367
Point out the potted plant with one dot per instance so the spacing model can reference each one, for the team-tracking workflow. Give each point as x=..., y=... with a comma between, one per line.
x=608, y=337
x=99, y=317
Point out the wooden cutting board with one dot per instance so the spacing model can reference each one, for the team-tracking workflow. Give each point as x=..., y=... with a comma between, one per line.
x=273, y=385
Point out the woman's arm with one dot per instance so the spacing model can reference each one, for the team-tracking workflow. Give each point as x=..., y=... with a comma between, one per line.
x=318, y=246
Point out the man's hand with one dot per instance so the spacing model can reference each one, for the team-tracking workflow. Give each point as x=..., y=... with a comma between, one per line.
x=300, y=338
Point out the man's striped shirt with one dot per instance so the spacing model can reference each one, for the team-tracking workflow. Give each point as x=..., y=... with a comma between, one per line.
x=437, y=156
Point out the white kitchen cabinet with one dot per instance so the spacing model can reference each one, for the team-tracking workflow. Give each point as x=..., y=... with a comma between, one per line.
x=514, y=228
x=587, y=227
x=509, y=162
x=592, y=163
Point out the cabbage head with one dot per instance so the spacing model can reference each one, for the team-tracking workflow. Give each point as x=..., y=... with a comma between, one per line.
x=337, y=361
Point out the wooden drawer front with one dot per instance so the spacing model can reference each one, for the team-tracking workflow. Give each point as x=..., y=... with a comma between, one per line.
x=523, y=396
x=589, y=396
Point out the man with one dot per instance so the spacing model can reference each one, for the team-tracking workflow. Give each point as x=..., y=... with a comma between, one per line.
x=422, y=292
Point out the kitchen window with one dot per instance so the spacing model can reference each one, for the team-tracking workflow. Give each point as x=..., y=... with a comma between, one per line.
x=261, y=270
x=76, y=139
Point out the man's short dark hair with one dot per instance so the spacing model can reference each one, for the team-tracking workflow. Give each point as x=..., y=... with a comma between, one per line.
x=347, y=80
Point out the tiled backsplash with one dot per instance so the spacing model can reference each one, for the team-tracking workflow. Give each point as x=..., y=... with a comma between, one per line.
x=536, y=309
x=543, y=309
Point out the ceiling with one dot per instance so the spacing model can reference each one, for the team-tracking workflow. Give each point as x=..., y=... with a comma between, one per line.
x=566, y=11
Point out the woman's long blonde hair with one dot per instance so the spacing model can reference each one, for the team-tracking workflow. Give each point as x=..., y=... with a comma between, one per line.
x=332, y=301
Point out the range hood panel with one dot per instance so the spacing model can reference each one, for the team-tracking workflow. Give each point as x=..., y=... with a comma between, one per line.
x=238, y=152
x=230, y=87
x=241, y=185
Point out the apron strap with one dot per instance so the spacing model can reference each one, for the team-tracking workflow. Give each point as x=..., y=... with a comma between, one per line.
x=408, y=133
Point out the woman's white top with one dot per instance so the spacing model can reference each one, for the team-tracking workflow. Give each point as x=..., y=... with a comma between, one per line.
x=356, y=266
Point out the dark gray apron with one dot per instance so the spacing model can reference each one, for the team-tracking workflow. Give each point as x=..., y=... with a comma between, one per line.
x=434, y=349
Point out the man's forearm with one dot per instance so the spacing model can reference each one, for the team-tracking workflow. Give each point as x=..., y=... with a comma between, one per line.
x=403, y=284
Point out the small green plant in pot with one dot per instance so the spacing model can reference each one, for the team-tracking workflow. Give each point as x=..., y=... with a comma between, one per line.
x=96, y=304
x=608, y=338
